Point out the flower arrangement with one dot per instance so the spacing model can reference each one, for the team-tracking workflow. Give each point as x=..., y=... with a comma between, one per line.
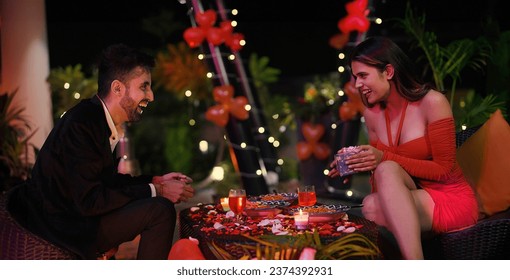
x=319, y=98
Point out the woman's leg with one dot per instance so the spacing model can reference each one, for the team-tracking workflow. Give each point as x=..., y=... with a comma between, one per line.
x=401, y=208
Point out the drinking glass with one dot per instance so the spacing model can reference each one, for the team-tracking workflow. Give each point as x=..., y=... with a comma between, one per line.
x=306, y=195
x=237, y=202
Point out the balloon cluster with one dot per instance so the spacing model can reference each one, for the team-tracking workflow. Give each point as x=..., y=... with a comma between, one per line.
x=350, y=108
x=227, y=104
x=355, y=20
x=206, y=30
x=311, y=146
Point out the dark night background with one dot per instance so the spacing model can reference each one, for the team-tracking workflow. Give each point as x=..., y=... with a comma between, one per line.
x=293, y=34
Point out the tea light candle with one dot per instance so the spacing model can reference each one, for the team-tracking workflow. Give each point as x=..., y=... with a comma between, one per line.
x=301, y=219
x=224, y=204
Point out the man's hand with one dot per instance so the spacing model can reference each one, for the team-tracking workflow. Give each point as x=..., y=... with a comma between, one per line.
x=175, y=188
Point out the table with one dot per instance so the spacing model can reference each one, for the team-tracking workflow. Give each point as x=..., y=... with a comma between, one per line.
x=198, y=222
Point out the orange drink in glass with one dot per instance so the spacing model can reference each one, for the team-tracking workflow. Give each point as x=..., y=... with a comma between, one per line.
x=306, y=195
x=237, y=201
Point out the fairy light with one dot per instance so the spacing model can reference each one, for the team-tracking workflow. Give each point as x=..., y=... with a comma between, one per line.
x=188, y=93
x=341, y=56
x=325, y=172
x=209, y=75
x=280, y=161
x=192, y=122
x=243, y=145
x=464, y=127
x=258, y=172
x=378, y=21
x=282, y=128
x=233, y=23
x=276, y=143
x=270, y=139
x=261, y=130
x=275, y=116
x=247, y=107
x=67, y=85
x=235, y=12
x=217, y=174
x=341, y=93
x=77, y=95
x=201, y=56
x=203, y=146
x=341, y=69
x=231, y=57
x=349, y=193
x=333, y=126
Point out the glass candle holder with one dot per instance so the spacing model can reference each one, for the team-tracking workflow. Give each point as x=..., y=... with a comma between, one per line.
x=301, y=219
x=224, y=204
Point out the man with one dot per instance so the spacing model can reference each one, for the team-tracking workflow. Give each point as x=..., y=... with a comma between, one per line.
x=75, y=197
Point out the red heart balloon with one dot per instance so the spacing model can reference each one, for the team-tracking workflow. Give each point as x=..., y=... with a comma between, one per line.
x=356, y=7
x=238, y=108
x=353, y=23
x=227, y=28
x=312, y=132
x=194, y=36
x=206, y=19
x=185, y=249
x=321, y=151
x=339, y=40
x=354, y=97
x=234, y=41
x=347, y=111
x=215, y=36
x=304, y=150
x=217, y=114
x=223, y=94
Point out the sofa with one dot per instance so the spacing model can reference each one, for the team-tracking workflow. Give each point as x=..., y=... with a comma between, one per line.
x=483, y=154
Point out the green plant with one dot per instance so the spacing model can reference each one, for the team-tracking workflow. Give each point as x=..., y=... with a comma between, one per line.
x=13, y=140
x=287, y=247
x=449, y=61
x=68, y=86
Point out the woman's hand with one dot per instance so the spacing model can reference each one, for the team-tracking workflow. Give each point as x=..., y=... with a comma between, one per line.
x=366, y=160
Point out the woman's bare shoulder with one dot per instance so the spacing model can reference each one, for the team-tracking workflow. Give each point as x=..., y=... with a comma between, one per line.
x=436, y=106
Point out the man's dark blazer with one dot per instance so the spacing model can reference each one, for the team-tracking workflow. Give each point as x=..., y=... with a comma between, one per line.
x=75, y=180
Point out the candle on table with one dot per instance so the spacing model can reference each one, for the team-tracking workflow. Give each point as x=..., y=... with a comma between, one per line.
x=224, y=204
x=301, y=219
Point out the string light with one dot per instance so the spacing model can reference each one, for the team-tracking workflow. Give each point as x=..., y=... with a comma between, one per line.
x=66, y=85
x=261, y=130
x=188, y=93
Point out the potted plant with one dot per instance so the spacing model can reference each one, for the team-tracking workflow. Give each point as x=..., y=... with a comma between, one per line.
x=14, y=143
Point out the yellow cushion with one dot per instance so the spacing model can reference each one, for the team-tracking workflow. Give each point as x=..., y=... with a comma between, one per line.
x=485, y=161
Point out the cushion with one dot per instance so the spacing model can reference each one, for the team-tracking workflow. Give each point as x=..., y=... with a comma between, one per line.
x=484, y=159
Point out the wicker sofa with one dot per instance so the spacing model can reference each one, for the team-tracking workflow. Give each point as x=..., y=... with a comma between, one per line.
x=17, y=243
x=489, y=239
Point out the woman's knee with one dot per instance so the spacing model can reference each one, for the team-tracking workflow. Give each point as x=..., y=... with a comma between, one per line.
x=370, y=207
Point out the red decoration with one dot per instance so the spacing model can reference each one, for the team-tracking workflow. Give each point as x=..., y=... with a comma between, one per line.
x=195, y=36
x=234, y=41
x=228, y=104
x=206, y=19
x=186, y=249
x=356, y=18
x=350, y=109
x=312, y=134
x=215, y=36
x=339, y=40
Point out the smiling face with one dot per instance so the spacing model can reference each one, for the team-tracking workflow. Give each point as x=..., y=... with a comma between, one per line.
x=373, y=84
x=138, y=94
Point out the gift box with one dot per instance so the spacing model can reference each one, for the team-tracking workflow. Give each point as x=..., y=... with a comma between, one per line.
x=340, y=158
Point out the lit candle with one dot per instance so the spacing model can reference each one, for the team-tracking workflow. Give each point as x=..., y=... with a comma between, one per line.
x=224, y=204
x=301, y=219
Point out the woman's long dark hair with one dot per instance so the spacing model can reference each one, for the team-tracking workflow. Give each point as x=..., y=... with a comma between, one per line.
x=378, y=52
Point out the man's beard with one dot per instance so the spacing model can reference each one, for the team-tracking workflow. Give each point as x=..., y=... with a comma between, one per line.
x=133, y=111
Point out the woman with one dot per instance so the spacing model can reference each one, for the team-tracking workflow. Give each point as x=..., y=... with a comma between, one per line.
x=417, y=185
